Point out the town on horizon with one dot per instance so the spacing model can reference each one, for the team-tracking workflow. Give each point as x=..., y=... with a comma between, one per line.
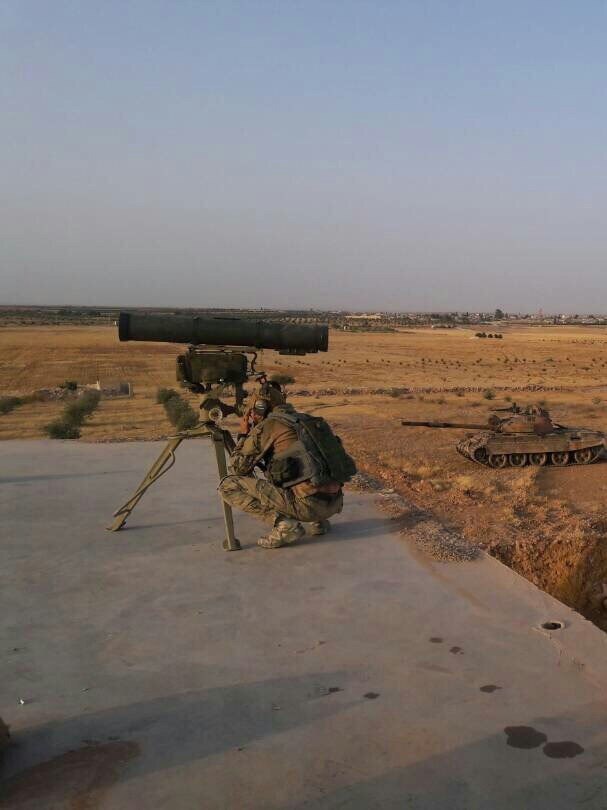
x=32, y=313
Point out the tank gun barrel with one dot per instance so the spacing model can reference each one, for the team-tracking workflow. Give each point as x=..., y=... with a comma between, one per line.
x=468, y=425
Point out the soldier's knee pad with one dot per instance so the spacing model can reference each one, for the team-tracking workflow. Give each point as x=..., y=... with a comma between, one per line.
x=228, y=484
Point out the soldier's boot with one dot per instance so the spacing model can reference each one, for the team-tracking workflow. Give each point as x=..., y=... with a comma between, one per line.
x=319, y=527
x=285, y=531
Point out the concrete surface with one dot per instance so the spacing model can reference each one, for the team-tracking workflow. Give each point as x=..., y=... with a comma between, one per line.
x=348, y=671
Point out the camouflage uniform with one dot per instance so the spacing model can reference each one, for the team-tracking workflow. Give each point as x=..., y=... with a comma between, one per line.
x=260, y=497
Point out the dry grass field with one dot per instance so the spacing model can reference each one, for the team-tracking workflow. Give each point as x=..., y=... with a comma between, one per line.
x=550, y=524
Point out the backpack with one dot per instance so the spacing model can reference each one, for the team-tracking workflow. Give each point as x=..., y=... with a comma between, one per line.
x=318, y=456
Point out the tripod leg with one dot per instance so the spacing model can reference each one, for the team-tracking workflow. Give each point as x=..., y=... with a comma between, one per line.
x=219, y=443
x=162, y=464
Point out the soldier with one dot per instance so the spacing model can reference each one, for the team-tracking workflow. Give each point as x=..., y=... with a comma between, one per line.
x=304, y=467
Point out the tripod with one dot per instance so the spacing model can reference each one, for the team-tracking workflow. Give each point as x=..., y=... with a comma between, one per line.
x=222, y=443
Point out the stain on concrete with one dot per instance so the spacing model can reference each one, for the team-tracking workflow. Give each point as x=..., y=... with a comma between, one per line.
x=309, y=649
x=371, y=695
x=456, y=651
x=524, y=737
x=435, y=668
x=562, y=750
x=489, y=688
x=321, y=691
x=78, y=780
x=436, y=640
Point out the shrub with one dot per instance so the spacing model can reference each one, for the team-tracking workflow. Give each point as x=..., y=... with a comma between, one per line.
x=62, y=429
x=179, y=412
x=8, y=404
x=188, y=419
x=73, y=413
x=77, y=411
x=282, y=379
x=89, y=400
x=489, y=393
x=164, y=394
x=69, y=423
x=174, y=408
x=596, y=400
x=69, y=385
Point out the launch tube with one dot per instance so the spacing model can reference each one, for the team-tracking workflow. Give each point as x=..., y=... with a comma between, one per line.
x=220, y=331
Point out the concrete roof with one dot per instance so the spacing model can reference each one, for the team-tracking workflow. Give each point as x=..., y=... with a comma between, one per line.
x=348, y=671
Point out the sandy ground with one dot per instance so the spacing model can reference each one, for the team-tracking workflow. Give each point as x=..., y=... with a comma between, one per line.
x=549, y=524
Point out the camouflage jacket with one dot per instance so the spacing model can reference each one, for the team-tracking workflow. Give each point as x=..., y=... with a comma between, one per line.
x=260, y=444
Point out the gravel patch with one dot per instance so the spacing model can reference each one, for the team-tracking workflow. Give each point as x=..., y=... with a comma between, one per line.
x=365, y=483
x=417, y=525
x=441, y=544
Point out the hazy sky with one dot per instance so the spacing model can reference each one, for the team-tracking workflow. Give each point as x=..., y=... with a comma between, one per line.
x=343, y=154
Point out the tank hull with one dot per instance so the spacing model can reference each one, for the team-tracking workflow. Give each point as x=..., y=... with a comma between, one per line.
x=561, y=446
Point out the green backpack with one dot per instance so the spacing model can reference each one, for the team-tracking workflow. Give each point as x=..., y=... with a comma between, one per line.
x=318, y=456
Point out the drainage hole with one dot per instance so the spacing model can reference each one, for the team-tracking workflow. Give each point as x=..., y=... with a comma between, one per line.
x=553, y=625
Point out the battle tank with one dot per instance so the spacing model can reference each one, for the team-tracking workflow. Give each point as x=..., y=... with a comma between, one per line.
x=525, y=436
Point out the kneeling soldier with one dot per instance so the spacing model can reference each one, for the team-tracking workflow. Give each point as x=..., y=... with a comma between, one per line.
x=304, y=463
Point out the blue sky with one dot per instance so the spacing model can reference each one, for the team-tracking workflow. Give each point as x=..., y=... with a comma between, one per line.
x=394, y=155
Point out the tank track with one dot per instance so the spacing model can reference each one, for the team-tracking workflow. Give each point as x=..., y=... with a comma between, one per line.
x=473, y=447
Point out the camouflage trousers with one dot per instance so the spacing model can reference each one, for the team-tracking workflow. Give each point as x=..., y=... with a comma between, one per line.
x=262, y=499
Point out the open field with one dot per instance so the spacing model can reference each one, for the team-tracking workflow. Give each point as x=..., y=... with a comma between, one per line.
x=549, y=524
